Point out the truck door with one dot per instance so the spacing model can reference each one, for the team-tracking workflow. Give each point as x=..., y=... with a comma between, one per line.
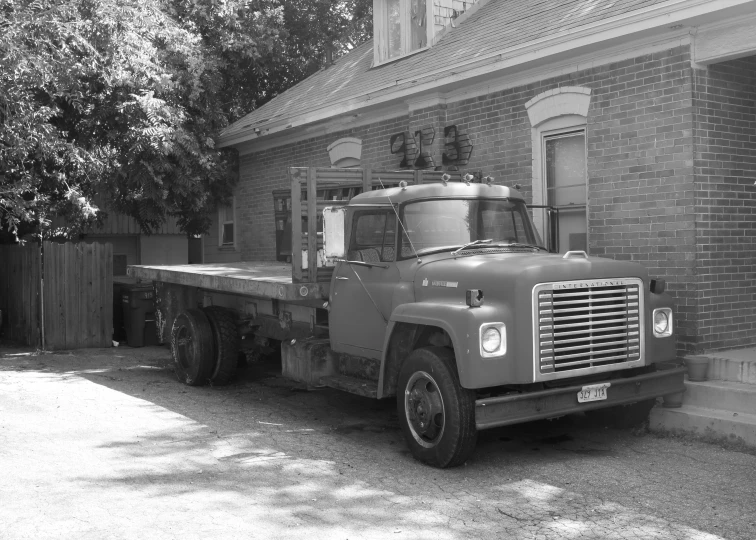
x=362, y=295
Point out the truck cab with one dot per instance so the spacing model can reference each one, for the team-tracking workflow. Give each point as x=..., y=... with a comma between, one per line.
x=475, y=324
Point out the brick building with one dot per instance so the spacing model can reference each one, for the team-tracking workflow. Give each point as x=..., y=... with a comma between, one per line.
x=635, y=120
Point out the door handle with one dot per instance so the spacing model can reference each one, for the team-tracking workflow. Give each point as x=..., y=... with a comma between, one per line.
x=342, y=277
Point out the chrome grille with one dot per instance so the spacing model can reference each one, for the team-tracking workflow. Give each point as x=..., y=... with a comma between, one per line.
x=588, y=324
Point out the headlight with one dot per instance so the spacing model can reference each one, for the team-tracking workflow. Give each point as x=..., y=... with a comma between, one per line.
x=662, y=322
x=493, y=340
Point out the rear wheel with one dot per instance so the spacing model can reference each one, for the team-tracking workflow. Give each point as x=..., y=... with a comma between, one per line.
x=623, y=416
x=192, y=347
x=226, y=344
x=436, y=414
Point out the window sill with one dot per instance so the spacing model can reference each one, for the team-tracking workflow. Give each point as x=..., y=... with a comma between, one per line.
x=227, y=248
x=396, y=58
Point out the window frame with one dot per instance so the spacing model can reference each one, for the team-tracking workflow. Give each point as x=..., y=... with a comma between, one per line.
x=222, y=223
x=352, y=245
x=380, y=30
x=528, y=227
x=557, y=133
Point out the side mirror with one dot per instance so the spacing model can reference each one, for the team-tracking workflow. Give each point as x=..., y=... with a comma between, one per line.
x=334, y=224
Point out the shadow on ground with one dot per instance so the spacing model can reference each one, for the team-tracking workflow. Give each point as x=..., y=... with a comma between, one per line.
x=326, y=464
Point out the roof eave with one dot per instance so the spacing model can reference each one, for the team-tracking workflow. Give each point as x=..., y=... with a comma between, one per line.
x=652, y=20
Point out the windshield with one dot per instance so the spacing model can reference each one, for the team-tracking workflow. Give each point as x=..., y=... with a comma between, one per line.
x=450, y=223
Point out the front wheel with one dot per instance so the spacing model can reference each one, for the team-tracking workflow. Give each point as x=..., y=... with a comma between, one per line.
x=436, y=414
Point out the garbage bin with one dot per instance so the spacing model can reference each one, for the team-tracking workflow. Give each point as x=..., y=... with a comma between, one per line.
x=139, y=315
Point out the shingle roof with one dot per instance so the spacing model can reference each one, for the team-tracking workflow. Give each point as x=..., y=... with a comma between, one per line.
x=498, y=25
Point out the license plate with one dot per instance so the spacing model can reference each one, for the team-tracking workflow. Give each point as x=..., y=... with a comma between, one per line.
x=593, y=392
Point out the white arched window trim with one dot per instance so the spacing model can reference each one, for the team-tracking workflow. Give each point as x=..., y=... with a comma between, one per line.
x=345, y=152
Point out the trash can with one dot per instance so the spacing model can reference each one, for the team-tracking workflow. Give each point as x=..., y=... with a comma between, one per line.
x=119, y=333
x=139, y=315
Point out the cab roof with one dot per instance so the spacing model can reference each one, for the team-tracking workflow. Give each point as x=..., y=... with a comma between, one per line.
x=398, y=195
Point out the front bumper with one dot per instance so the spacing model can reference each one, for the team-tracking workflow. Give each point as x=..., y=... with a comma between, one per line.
x=518, y=408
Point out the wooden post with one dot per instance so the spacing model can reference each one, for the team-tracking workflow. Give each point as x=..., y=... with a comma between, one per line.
x=296, y=225
x=312, y=226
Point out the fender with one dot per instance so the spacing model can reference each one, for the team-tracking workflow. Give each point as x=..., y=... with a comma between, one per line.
x=660, y=349
x=461, y=323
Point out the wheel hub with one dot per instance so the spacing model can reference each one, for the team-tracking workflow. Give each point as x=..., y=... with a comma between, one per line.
x=424, y=407
x=183, y=342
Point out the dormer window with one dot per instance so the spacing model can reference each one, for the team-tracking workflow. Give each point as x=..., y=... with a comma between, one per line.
x=403, y=27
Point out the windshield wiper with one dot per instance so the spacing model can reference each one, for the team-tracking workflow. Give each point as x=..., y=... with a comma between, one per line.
x=363, y=263
x=471, y=244
x=518, y=244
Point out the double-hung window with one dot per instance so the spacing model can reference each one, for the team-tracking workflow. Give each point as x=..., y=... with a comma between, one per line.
x=565, y=175
x=227, y=225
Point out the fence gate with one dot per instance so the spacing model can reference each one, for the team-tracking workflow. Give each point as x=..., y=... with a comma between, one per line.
x=20, y=273
x=77, y=295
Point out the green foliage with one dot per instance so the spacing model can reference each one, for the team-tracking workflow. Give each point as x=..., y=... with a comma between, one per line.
x=315, y=26
x=119, y=101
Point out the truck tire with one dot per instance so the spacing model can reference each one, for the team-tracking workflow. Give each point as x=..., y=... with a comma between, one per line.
x=225, y=344
x=436, y=414
x=192, y=347
x=622, y=416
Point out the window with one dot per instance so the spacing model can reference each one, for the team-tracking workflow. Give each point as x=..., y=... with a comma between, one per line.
x=564, y=168
x=120, y=262
x=447, y=224
x=226, y=224
x=401, y=27
x=405, y=26
x=374, y=237
x=558, y=119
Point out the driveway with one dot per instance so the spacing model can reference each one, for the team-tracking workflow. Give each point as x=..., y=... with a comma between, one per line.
x=106, y=443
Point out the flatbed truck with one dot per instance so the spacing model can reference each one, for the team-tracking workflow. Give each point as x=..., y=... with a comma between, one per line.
x=435, y=291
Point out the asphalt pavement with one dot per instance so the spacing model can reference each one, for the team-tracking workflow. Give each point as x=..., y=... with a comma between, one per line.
x=105, y=443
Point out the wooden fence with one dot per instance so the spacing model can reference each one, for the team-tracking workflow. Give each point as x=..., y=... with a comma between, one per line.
x=60, y=297
x=78, y=295
x=20, y=281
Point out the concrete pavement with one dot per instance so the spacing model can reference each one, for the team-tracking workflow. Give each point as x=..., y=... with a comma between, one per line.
x=107, y=444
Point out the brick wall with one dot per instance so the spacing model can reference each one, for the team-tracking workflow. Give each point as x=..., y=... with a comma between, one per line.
x=725, y=197
x=640, y=163
x=263, y=172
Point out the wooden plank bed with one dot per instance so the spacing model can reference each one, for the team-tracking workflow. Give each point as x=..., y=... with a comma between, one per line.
x=261, y=279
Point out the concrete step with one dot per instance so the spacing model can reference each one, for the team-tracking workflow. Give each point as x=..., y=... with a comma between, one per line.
x=714, y=424
x=723, y=395
x=734, y=366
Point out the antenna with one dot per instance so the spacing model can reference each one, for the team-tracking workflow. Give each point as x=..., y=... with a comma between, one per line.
x=399, y=221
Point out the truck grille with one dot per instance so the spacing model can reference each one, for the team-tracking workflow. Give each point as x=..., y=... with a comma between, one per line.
x=587, y=324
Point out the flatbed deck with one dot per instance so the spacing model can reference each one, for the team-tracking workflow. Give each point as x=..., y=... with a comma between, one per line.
x=261, y=279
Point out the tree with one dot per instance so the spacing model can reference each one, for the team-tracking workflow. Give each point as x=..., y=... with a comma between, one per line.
x=120, y=100
x=316, y=29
